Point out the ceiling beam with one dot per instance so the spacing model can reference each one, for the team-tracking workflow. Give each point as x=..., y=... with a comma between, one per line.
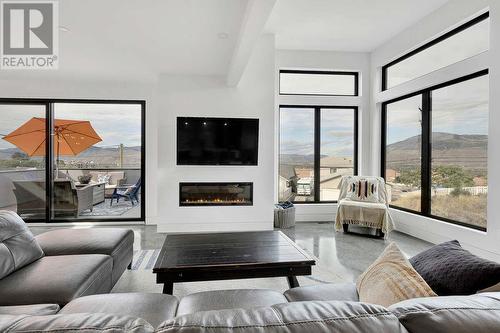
x=256, y=15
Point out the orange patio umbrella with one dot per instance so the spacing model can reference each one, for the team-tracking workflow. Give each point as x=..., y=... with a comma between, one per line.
x=71, y=137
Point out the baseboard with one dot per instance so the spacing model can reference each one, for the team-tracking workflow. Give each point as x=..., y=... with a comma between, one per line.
x=315, y=218
x=82, y=224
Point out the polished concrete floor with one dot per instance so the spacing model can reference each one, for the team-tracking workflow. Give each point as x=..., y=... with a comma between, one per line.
x=347, y=254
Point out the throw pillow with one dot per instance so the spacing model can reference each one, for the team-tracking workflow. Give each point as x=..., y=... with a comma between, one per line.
x=391, y=279
x=363, y=190
x=103, y=179
x=18, y=246
x=451, y=270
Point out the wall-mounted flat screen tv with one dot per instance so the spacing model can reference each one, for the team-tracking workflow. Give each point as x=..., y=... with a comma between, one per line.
x=217, y=141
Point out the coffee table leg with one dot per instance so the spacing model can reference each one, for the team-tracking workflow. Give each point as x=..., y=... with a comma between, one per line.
x=292, y=281
x=168, y=288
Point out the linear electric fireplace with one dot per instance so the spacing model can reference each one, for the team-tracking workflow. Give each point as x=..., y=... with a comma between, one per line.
x=216, y=194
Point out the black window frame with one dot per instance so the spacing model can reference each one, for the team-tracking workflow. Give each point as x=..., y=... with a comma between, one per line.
x=293, y=71
x=49, y=179
x=317, y=145
x=426, y=150
x=427, y=45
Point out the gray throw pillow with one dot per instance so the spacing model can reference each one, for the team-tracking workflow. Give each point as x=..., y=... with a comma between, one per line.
x=18, y=246
x=451, y=270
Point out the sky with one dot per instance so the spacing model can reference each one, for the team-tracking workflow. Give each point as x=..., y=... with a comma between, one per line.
x=115, y=123
x=459, y=109
x=297, y=131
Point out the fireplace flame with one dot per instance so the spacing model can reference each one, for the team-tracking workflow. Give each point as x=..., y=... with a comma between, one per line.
x=215, y=200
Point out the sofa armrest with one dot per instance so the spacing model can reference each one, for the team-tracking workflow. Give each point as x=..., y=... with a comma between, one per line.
x=80, y=322
x=31, y=310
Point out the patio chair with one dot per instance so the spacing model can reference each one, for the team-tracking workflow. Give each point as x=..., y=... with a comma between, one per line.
x=129, y=192
x=363, y=202
x=68, y=200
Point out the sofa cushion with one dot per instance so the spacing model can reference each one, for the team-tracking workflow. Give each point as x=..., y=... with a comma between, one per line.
x=32, y=310
x=451, y=270
x=57, y=279
x=116, y=242
x=323, y=292
x=391, y=279
x=297, y=317
x=154, y=308
x=83, y=322
x=229, y=299
x=450, y=314
x=18, y=247
x=115, y=177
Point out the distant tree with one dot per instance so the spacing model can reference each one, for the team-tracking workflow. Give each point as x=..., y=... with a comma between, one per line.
x=452, y=176
x=410, y=177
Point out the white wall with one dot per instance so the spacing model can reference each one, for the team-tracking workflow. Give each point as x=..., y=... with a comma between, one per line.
x=450, y=15
x=210, y=96
x=39, y=86
x=328, y=60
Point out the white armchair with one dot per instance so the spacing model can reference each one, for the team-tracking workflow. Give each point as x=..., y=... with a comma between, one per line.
x=363, y=202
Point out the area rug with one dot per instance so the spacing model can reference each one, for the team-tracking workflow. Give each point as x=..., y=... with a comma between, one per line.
x=141, y=278
x=105, y=209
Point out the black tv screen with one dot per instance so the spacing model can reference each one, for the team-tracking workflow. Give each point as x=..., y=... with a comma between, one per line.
x=217, y=141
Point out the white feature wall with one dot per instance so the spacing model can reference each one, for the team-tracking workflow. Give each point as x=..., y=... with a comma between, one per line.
x=452, y=14
x=328, y=60
x=200, y=96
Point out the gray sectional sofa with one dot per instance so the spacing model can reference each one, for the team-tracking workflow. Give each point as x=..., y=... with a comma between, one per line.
x=76, y=262
x=257, y=311
x=60, y=282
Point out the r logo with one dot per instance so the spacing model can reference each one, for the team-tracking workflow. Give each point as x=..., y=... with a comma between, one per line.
x=28, y=28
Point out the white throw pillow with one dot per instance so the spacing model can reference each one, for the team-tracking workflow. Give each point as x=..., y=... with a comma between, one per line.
x=363, y=190
x=391, y=279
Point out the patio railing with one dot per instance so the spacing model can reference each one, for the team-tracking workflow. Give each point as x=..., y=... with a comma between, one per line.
x=7, y=177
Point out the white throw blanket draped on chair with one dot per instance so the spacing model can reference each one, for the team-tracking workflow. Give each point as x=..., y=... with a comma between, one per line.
x=364, y=213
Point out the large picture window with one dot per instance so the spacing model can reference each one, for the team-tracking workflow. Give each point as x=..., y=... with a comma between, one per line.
x=435, y=151
x=318, y=145
x=72, y=160
x=404, y=151
x=456, y=45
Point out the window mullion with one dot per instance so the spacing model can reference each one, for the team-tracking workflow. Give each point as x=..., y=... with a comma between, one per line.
x=317, y=152
x=49, y=159
x=426, y=153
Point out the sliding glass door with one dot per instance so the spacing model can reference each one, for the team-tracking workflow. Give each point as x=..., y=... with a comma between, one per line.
x=95, y=169
x=22, y=159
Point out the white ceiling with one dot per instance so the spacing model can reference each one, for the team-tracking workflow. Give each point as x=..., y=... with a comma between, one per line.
x=142, y=38
x=139, y=39
x=344, y=25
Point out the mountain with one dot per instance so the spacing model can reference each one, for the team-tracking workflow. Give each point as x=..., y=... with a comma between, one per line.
x=469, y=151
x=5, y=154
x=296, y=159
x=443, y=141
x=99, y=155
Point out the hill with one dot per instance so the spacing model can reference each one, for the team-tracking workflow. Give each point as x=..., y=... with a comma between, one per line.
x=469, y=151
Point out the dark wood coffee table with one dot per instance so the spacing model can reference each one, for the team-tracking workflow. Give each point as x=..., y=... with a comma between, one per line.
x=224, y=256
